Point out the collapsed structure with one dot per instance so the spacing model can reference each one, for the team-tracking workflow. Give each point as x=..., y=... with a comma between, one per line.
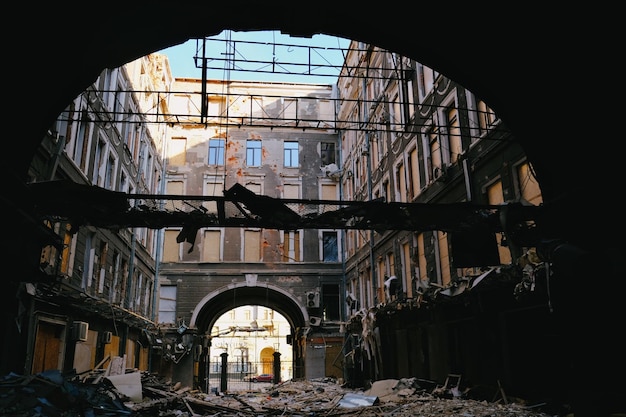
x=427, y=185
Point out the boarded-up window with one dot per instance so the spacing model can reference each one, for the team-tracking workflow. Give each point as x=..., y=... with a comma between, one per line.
x=421, y=258
x=143, y=358
x=131, y=350
x=252, y=246
x=291, y=247
x=291, y=191
x=171, y=248
x=211, y=246
x=380, y=285
x=435, y=154
x=454, y=134
x=486, y=117
x=329, y=192
x=175, y=187
x=213, y=189
x=444, y=257
x=406, y=269
x=67, y=245
x=529, y=187
x=177, y=151
x=495, y=196
x=391, y=263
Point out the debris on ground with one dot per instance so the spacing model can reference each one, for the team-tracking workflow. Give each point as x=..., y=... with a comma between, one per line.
x=51, y=394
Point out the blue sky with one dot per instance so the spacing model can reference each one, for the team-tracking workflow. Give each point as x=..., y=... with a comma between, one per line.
x=292, y=57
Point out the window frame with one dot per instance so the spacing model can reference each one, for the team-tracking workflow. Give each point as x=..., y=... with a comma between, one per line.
x=291, y=153
x=216, y=155
x=254, y=155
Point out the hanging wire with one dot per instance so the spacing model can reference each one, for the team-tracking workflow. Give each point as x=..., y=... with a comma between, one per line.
x=229, y=53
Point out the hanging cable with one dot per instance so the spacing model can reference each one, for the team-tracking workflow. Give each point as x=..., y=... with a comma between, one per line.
x=229, y=53
x=204, y=101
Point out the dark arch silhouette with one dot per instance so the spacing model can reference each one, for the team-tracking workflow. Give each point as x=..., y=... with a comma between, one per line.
x=518, y=61
x=550, y=73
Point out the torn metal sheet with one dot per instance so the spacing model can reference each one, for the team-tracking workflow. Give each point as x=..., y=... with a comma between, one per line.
x=128, y=384
x=482, y=276
x=351, y=400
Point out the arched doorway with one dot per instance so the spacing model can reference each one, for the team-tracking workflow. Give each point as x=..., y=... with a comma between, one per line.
x=220, y=302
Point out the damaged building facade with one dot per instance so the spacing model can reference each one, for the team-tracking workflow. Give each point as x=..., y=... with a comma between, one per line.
x=429, y=303
x=276, y=140
x=94, y=297
x=521, y=77
x=363, y=304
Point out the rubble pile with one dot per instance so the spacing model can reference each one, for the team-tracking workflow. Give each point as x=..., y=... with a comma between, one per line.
x=51, y=394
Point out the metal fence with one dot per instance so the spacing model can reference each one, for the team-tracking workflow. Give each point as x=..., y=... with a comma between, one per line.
x=239, y=376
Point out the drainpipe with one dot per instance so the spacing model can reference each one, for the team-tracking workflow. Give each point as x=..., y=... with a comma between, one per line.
x=369, y=196
x=160, y=232
x=157, y=265
x=342, y=288
x=159, y=246
x=133, y=241
x=131, y=262
x=343, y=311
x=367, y=154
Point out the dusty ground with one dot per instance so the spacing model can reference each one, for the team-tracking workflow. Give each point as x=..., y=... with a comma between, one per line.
x=326, y=398
x=136, y=394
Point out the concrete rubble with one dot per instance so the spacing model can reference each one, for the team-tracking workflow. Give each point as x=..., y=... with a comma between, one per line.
x=55, y=395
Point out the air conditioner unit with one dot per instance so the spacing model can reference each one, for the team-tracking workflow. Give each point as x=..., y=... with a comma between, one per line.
x=106, y=337
x=81, y=331
x=315, y=321
x=312, y=299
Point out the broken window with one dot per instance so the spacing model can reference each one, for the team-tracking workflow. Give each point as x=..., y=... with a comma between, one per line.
x=330, y=250
x=167, y=304
x=327, y=152
x=330, y=301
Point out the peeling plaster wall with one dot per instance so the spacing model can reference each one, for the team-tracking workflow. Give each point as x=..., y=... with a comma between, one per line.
x=273, y=123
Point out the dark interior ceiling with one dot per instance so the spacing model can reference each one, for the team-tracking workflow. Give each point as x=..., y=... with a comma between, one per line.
x=551, y=73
